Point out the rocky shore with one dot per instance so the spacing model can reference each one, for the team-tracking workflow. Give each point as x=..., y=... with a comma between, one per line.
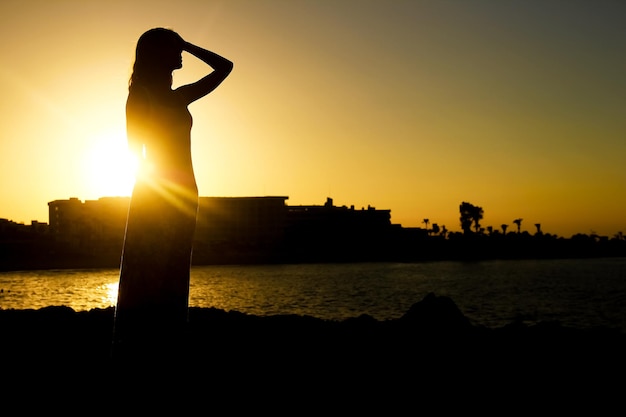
x=433, y=348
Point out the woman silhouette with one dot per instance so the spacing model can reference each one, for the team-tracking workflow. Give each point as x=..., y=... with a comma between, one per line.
x=153, y=293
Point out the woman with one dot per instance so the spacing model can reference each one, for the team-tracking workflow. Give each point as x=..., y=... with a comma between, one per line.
x=153, y=291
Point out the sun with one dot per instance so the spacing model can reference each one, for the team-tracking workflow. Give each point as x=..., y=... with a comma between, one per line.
x=110, y=167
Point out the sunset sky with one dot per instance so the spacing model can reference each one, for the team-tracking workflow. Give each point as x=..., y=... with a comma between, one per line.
x=413, y=106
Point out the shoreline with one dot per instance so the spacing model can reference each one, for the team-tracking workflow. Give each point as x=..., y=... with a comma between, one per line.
x=432, y=348
x=429, y=322
x=64, y=264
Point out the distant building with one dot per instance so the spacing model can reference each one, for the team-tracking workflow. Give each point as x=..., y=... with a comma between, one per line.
x=92, y=226
x=105, y=222
x=21, y=245
x=340, y=218
x=12, y=230
x=331, y=233
x=241, y=219
x=66, y=220
x=239, y=229
x=233, y=229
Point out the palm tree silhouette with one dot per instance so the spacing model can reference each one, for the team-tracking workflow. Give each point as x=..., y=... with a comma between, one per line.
x=477, y=215
x=518, y=222
x=470, y=214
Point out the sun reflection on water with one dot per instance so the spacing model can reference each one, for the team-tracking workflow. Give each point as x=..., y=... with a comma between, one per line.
x=111, y=293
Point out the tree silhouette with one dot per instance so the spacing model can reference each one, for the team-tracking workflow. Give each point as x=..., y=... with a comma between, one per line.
x=470, y=214
x=518, y=222
x=504, y=227
x=538, y=226
x=477, y=216
x=426, y=221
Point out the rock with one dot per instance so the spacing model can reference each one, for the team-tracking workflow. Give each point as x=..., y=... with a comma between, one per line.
x=436, y=313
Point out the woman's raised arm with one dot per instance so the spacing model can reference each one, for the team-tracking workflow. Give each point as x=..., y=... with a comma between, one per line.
x=221, y=68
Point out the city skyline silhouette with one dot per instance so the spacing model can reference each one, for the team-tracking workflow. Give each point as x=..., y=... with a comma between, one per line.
x=265, y=229
x=519, y=224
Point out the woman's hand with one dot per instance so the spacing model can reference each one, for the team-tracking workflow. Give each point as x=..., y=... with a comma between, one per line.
x=221, y=68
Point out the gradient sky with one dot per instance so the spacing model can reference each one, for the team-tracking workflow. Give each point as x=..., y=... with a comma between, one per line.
x=413, y=106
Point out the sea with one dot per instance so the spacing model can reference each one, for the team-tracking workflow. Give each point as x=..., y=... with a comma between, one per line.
x=579, y=293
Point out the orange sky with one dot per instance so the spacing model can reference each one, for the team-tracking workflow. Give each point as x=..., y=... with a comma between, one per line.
x=413, y=106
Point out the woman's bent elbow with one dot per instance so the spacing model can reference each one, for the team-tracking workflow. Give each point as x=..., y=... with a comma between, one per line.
x=228, y=67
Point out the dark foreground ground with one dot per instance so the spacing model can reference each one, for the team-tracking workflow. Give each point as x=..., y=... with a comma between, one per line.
x=432, y=358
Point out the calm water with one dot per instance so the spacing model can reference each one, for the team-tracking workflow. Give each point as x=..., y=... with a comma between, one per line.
x=579, y=293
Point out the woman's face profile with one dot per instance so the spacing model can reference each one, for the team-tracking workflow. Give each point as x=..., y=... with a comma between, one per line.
x=172, y=53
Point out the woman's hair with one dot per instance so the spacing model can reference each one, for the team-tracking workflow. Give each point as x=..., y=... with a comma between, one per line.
x=151, y=46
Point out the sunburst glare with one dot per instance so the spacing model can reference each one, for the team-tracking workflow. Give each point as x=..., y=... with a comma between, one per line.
x=110, y=167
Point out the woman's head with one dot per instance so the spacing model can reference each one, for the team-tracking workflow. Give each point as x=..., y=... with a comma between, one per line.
x=157, y=54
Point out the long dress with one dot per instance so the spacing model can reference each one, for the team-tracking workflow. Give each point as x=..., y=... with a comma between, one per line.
x=153, y=294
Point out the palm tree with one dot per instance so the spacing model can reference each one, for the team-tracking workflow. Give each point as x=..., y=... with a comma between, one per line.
x=477, y=216
x=470, y=214
x=518, y=222
x=504, y=227
x=538, y=226
x=426, y=221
